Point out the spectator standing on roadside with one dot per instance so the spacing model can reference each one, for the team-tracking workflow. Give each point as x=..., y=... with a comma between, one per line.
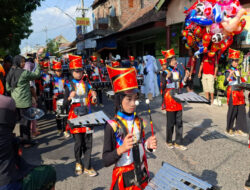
x=18, y=84
x=209, y=66
x=30, y=66
x=191, y=65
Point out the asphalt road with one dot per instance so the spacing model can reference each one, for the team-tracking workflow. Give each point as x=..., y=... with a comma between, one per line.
x=211, y=156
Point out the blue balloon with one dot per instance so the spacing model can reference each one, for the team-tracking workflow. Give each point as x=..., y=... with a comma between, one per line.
x=202, y=21
x=217, y=13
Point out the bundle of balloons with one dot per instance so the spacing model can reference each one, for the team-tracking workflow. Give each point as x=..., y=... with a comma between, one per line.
x=210, y=25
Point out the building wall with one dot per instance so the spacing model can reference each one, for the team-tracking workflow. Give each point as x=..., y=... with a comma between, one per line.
x=130, y=7
x=123, y=10
x=175, y=11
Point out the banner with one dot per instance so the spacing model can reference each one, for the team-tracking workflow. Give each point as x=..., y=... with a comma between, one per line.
x=82, y=21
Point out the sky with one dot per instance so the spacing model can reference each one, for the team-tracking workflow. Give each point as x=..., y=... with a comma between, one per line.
x=55, y=20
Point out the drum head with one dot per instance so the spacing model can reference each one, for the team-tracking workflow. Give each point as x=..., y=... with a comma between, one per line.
x=59, y=102
x=33, y=114
x=46, y=89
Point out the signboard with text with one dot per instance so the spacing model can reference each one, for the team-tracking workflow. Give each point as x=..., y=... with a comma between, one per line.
x=82, y=21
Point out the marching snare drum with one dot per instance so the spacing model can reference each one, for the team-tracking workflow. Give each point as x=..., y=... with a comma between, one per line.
x=47, y=94
x=60, y=109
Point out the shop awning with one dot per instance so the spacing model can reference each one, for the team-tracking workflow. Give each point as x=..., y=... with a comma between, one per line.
x=67, y=50
x=106, y=43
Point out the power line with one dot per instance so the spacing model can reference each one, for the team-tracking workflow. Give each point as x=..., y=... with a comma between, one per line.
x=49, y=29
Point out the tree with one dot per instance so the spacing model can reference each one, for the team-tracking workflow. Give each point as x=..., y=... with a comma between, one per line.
x=52, y=47
x=15, y=20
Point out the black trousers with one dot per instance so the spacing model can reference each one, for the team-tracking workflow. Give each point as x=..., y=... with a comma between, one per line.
x=238, y=113
x=174, y=119
x=61, y=123
x=24, y=125
x=99, y=95
x=48, y=104
x=83, y=144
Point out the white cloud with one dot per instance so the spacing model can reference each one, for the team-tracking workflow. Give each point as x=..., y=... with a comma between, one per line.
x=57, y=23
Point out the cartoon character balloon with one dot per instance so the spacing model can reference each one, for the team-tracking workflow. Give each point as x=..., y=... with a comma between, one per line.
x=211, y=24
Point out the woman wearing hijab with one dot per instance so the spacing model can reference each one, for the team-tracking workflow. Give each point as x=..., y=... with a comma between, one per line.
x=151, y=88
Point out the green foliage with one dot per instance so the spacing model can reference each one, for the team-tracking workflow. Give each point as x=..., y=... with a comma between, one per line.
x=220, y=83
x=52, y=47
x=15, y=20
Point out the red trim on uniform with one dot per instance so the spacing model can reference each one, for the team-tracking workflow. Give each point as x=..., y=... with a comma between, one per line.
x=171, y=104
x=54, y=101
x=117, y=176
x=72, y=115
x=238, y=97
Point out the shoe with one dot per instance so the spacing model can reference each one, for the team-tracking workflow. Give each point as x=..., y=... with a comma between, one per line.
x=35, y=134
x=240, y=133
x=180, y=147
x=230, y=133
x=66, y=134
x=91, y=172
x=59, y=132
x=78, y=169
x=170, y=145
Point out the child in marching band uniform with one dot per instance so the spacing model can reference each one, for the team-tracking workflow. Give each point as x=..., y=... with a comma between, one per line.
x=78, y=95
x=58, y=93
x=124, y=136
x=171, y=80
x=163, y=76
x=46, y=81
x=96, y=76
x=235, y=97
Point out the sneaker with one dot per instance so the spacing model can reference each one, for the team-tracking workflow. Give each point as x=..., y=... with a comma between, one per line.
x=59, y=132
x=180, y=147
x=170, y=145
x=230, y=133
x=78, y=169
x=91, y=172
x=240, y=133
x=66, y=134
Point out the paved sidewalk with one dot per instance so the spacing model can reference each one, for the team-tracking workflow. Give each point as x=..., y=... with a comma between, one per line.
x=220, y=160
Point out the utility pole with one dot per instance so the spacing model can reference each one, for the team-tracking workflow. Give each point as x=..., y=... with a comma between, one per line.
x=83, y=14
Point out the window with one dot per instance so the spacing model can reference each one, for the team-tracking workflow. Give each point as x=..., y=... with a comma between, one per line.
x=142, y=4
x=130, y=3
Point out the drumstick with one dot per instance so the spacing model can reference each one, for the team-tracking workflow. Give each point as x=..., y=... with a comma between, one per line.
x=151, y=122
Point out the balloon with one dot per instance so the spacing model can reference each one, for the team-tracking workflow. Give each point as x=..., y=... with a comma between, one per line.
x=242, y=24
x=225, y=2
x=211, y=24
x=202, y=20
x=234, y=24
x=199, y=31
x=226, y=43
x=217, y=38
x=214, y=48
x=218, y=15
x=190, y=40
x=216, y=28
